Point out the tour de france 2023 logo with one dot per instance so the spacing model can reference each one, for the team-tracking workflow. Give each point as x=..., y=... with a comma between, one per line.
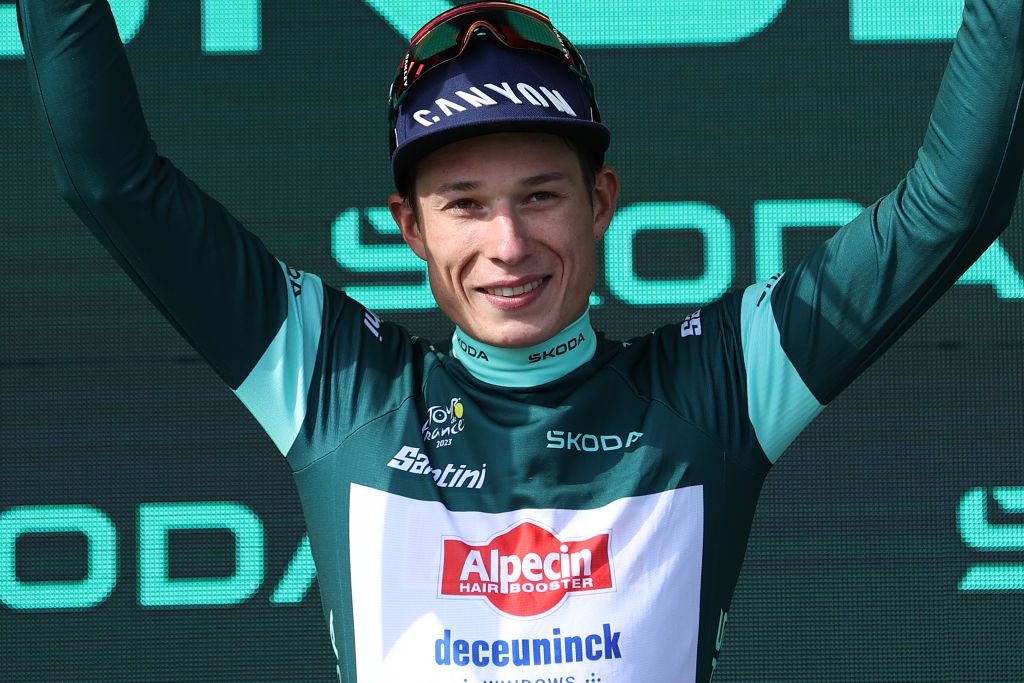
x=444, y=422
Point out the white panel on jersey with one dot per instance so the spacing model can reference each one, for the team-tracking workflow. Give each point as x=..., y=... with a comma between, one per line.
x=779, y=403
x=275, y=390
x=534, y=594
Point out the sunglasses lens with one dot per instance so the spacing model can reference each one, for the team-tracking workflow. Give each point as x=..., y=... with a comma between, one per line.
x=528, y=30
x=444, y=38
x=436, y=41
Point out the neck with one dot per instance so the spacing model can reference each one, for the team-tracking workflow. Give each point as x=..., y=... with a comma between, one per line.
x=530, y=366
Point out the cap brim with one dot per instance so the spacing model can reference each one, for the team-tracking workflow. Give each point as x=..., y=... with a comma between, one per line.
x=592, y=136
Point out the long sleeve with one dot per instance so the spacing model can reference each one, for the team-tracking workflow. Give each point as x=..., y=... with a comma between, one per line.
x=214, y=281
x=809, y=333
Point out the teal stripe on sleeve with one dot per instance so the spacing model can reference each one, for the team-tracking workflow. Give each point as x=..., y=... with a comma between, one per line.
x=275, y=390
x=779, y=403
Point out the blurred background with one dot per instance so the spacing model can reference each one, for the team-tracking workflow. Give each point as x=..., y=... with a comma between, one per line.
x=889, y=540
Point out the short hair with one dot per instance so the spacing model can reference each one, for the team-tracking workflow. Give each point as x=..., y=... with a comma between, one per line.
x=590, y=163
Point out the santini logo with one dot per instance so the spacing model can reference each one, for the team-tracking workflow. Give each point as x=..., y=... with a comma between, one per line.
x=414, y=461
x=526, y=571
x=522, y=93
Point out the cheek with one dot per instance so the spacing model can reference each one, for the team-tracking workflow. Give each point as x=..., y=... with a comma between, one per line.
x=448, y=260
x=584, y=244
x=586, y=260
x=582, y=255
x=438, y=244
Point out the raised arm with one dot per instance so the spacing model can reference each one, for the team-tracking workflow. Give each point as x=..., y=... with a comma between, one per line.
x=214, y=281
x=809, y=334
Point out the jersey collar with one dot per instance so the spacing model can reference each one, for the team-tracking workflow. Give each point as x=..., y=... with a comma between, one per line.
x=530, y=366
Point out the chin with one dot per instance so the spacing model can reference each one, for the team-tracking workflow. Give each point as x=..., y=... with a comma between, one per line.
x=515, y=334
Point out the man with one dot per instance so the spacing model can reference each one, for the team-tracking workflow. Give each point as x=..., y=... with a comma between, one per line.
x=534, y=501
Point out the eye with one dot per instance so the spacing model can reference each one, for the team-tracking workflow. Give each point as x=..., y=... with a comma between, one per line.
x=540, y=196
x=463, y=204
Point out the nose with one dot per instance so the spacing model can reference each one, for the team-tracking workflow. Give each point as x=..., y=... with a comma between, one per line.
x=508, y=238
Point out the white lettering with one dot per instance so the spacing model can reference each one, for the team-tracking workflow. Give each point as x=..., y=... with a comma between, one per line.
x=526, y=573
x=372, y=323
x=549, y=566
x=610, y=442
x=474, y=565
x=404, y=459
x=559, y=101
x=580, y=562
x=506, y=90
x=578, y=441
x=421, y=118
x=476, y=97
x=532, y=565
x=421, y=464
x=448, y=107
x=531, y=94
x=510, y=570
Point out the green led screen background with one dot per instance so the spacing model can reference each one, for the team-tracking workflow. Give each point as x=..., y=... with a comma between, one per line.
x=727, y=118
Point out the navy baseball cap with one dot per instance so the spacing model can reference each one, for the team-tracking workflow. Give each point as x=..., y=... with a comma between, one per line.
x=492, y=88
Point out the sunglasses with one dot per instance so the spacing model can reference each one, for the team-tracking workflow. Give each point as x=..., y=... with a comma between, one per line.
x=446, y=36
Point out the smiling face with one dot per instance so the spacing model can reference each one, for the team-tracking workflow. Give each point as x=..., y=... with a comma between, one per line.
x=508, y=230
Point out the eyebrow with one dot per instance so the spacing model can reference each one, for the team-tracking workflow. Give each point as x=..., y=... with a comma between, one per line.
x=533, y=181
x=470, y=185
x=458, y=186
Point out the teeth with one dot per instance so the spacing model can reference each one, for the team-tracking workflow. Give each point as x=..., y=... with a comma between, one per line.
x=515, y=291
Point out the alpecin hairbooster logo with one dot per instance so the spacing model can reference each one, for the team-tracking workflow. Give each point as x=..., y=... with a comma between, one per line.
x=526, y=571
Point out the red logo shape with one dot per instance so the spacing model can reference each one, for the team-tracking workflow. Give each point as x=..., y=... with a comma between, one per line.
x=527, y=570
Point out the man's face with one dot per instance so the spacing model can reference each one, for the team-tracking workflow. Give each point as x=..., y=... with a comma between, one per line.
x=508, y=231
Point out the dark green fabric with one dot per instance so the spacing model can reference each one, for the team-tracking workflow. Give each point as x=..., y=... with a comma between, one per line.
x=684, y=391
x=171, y=238
x=851, y=298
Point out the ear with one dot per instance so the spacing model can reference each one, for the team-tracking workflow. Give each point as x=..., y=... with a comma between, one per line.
x=408, y=223
x=605, y=199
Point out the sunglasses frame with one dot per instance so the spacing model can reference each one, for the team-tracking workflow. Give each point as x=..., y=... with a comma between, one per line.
x=407, y=67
